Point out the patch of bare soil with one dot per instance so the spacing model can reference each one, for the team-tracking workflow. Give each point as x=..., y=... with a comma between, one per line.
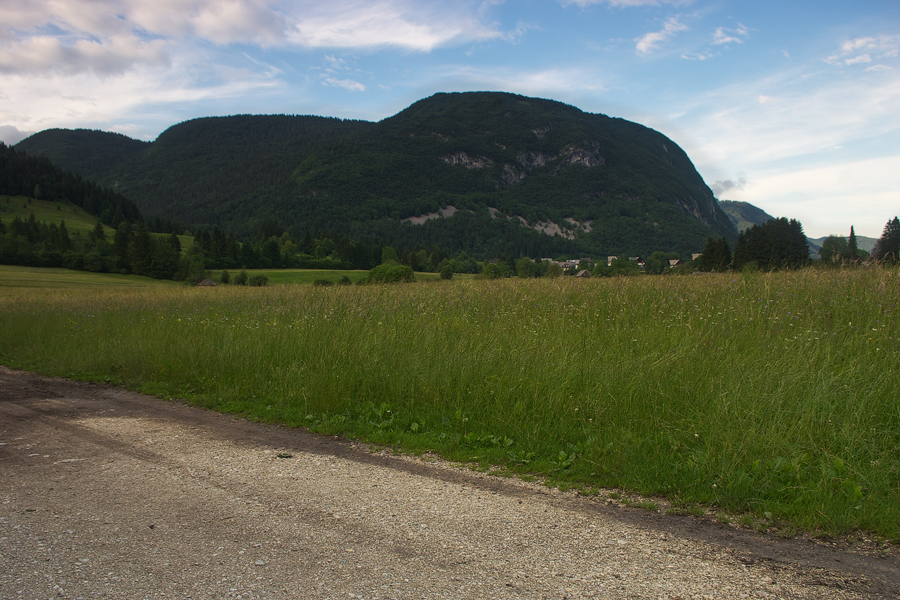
x=108, y=493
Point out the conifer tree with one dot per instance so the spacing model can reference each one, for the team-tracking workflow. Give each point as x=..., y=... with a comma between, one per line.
x=141, y=251
x=852, y=247
x=716, y=255
x=121, y=247
x=887, y=248
x=63, y=241
x=98, y=232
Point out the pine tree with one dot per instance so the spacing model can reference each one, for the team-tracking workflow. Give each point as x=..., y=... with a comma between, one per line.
x=716, y=255
x=141, y=251
x=63, y=241
x=887, y=248
x=98, y=232
x=852, y=247
x=121, y=251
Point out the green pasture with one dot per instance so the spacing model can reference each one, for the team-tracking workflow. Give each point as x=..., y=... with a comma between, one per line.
x=77, y=221
x=310, y=276
x=770, y=398
x=12, y=277
x=49, y=212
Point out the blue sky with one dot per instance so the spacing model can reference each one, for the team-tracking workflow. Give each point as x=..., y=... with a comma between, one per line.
x=793, y=106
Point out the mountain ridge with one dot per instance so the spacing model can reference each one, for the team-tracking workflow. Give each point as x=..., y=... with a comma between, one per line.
x=606, y=185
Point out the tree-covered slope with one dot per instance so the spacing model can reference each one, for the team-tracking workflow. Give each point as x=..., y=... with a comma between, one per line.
x=510, y=164
x=632, y=187
x=89, y=153
x=35, y=176
x=210, y=171
x=744, y=215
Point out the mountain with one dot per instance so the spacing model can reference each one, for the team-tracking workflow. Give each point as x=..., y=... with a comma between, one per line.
x=743, y=214
x=25, y=175
x=485, y=172
x=862, y=242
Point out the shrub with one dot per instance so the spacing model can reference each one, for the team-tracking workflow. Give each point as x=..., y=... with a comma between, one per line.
x=258, y=281
x=323, y=282
x=447, y=272
x=225, y=278
x=344, y=280
x=387, y=273
x=241, y=278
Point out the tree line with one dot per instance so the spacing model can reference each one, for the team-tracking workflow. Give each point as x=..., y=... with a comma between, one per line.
x=781, y=244
x=36, y=177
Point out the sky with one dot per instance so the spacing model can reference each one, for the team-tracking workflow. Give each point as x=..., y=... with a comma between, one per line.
x=791, y=105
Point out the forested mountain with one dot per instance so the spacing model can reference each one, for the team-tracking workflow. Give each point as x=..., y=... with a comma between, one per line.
x=38, y=177
x=743, y=214
x=509, y=169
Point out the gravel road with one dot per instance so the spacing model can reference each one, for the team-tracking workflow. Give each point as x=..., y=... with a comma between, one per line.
x=106, y=493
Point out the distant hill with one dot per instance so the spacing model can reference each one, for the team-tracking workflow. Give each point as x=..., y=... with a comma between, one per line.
x=862, y=242
x=743, y=214
x=489, y=173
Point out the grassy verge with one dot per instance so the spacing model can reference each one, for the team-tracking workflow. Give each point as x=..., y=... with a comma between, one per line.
x=773, y=394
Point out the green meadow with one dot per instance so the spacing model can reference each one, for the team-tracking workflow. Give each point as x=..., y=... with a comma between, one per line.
x=47, y=211
x=769, y=398
x=311, y=276
x=78, y=222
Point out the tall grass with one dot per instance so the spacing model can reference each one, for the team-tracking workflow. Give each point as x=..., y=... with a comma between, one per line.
x=772, y=394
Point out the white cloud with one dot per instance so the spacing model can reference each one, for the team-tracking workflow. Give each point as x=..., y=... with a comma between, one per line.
x=650, y=42
x=48, y=55
x=724, y=35
x=862, y=58
x=41, y=37
x=862, y=50
x=138, y=95
x=347, y=84
x=401, y=24
x=829, y=198
x=786, y=116
x=721, y=187
x=698, y=55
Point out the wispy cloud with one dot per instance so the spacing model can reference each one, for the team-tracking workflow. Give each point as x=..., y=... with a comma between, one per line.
x=864, y=50
x=819, y=195
x=51, y=56
x=347, y=84
x=110, y=36
x=650, y=42
x=722, y=187
x=389, y=23
x=723, y=35
x=706, y=55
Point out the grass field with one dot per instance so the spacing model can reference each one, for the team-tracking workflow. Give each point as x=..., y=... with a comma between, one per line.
x=288, y=276
x=49, y=212
x=772, y=396
x=77, y=221
x=33, y=278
